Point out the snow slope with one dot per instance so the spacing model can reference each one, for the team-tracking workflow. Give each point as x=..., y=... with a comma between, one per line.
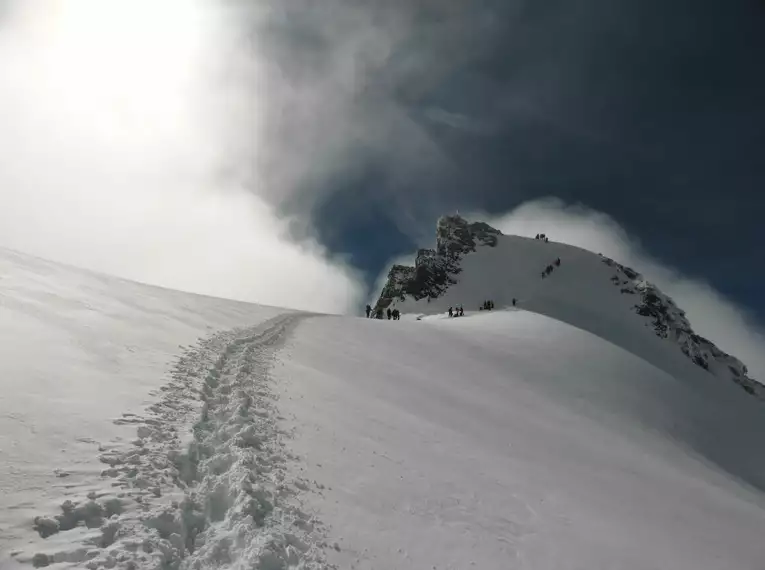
x=510, y=440
x=287, y=440
x=79, y=352
x=474, y=263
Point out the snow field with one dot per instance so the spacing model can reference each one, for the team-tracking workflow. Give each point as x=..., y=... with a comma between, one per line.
x=272, y=440
x=219, y=499
x=448, y=443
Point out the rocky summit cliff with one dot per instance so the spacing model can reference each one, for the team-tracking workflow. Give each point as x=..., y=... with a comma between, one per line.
x=474, y=262
x=435, y=269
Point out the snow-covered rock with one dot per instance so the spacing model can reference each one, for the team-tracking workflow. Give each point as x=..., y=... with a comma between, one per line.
x=473, y=262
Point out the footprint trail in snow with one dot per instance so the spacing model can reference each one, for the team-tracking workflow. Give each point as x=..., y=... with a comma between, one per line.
x=217, y=498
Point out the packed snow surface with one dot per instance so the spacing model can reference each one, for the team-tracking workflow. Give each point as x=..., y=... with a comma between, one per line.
x=274, y=439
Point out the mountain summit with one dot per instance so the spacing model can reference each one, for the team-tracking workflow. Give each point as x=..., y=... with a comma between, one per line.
x=474, y=262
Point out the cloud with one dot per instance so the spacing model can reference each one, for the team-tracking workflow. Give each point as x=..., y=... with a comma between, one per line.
x=710, y=313
x=132, y=142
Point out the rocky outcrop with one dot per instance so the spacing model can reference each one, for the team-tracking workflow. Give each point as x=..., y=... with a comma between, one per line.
x=669, y=322
x=434, y=269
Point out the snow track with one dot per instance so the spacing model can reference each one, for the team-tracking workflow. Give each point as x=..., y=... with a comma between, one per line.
x=218, y=497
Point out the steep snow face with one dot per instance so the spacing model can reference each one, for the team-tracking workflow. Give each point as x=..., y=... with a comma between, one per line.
x=568, y=283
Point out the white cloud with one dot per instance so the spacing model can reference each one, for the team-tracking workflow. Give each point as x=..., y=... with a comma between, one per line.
x=710, y=313
x=126, y=148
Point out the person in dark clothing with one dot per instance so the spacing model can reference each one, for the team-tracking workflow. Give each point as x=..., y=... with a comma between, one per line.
x=462, y=311
x=389, y=313
x=557, y=262
x=451, y=312
x=396, y=314
x=514, y=301
x=369, y=310
x=379, y=313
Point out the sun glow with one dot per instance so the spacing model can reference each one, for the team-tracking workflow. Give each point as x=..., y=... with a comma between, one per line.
x=120, y=66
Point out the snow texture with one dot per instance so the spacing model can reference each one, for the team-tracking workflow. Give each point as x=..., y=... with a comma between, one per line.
x=100, y=464
x=474, y=263
x=509, y=440
x=272, y=439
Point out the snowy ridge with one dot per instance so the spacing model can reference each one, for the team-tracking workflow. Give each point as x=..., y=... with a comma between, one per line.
x=463, y=270
x=221, y=499
x=670, y=322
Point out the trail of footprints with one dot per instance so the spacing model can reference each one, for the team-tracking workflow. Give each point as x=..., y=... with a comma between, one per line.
x=216, y=498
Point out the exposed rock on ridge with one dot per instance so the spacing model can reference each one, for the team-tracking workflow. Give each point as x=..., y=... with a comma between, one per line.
x=434, y=269
x=669, y=322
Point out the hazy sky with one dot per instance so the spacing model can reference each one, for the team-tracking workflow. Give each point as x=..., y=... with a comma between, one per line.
x=285, y=152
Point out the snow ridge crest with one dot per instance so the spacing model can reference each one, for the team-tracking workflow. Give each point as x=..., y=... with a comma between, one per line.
x=436, y=270
x=670, y=322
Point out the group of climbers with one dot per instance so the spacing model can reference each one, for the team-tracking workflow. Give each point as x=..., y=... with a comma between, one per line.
x=395, y=314
x=549, y=268
x=392, y=314
x=457, y=312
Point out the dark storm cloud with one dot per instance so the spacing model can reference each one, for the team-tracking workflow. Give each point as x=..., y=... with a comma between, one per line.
x=650, y=111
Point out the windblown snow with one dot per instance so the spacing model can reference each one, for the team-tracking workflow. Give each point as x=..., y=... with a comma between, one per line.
x=147, y=428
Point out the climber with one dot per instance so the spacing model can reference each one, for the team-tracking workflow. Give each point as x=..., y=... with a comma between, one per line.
x=462, y=311
x=389, y=313
x=369, y=310
x=451, y=312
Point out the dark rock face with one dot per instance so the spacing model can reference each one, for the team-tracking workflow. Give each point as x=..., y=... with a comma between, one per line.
x=434, y=269
x=669, y=322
